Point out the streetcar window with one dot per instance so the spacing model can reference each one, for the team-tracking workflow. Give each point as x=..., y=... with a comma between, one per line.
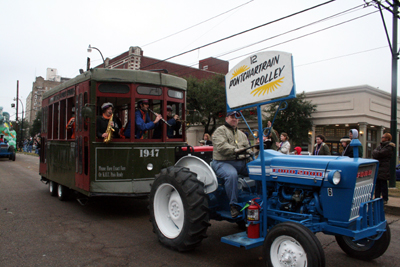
x=85, y=101
x=56, y=120
x=63, y=119
x=117, y=88
x=145, y=90
x=175, y=94
x=120, y=109
x=70, y=114
x=50, y=124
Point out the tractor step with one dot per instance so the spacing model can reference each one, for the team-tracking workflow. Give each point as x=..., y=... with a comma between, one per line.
x=241, y=240
x=226, y=215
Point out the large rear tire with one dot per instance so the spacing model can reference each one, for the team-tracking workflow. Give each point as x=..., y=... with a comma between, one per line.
x=365, y=249
x=292, y=244
x=179, y=208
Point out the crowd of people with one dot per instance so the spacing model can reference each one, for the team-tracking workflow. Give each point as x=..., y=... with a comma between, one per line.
x=30, y=145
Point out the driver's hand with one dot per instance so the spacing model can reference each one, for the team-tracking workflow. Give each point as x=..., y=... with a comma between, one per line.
x=240, y=150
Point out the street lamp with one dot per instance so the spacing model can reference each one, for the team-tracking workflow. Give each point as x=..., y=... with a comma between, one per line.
x=90, y=50
x=22, y=123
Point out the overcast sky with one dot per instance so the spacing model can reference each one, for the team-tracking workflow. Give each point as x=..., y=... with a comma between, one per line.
x=36, y=35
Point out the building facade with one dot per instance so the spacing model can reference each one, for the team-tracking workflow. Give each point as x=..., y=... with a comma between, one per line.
x=39, y=86
x=363, y=107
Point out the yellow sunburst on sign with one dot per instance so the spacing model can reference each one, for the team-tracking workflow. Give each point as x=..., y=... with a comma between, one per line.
x=267, y=88
x=239, y=70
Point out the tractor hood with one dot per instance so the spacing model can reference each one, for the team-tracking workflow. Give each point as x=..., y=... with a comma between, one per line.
x=305, y=170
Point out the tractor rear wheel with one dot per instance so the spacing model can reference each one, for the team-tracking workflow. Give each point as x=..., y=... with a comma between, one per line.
x=179, y=208
x=365, y=249
x=292, y=244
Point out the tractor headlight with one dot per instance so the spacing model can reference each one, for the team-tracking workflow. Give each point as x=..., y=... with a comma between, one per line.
x=334, y=177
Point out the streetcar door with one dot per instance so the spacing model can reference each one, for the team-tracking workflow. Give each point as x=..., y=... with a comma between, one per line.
x=82, y=138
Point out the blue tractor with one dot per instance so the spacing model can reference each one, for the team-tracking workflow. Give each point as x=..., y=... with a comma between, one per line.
x=6, y=151
x=286, y=199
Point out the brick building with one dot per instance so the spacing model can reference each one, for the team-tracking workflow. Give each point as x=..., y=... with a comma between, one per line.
x=134, y=59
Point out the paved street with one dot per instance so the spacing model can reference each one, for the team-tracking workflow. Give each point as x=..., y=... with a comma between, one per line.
x=39, y=230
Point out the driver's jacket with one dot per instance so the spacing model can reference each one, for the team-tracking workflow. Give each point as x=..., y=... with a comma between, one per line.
x=225, y=140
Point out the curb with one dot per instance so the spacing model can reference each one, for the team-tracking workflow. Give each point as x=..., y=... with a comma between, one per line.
x=392, y=210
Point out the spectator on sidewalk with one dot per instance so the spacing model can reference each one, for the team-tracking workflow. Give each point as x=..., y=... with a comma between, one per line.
x=383, y=153
x=320, y=148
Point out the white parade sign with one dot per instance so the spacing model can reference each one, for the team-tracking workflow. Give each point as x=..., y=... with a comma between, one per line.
x=259, y=78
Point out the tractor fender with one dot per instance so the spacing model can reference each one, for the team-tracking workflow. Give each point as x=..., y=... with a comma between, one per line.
x=204, y=172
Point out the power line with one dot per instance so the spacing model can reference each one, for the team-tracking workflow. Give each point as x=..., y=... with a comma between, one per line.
x=327, y=59
x=296, y=29
x=308, y=34
x=234, y=35
x=198, y=23
x=292, y=38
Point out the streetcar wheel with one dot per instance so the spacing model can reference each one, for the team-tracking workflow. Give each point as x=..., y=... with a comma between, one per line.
x=365, y=249
x=53, y=188
x=292, y=244
x=179, y=208
x=62, y=192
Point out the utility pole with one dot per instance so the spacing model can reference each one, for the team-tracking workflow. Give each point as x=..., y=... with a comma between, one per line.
x=393, y=120
x=394, y=9
x=16, y=116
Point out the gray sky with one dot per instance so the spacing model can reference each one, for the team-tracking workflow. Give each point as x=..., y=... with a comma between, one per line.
x=36, y=35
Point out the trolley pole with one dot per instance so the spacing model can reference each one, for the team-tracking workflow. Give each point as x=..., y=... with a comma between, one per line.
x=16, y=115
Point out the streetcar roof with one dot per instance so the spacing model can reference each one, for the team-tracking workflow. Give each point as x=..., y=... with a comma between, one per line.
x=122, y=75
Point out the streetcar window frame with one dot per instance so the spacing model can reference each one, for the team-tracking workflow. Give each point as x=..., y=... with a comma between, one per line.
x=147, y=90
x=116, y=88
x=175, y=94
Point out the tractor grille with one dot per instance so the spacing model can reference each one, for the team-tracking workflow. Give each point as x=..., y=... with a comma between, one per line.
x=363, y=188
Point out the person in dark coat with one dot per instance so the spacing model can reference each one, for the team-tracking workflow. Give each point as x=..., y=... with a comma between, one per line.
x=383, y=153
x=320, y=147
x=102, y=122
x=347, y=149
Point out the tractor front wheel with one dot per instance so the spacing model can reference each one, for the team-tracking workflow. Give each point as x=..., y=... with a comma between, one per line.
x=292, y=244
x=179, y=208
x=365, y=249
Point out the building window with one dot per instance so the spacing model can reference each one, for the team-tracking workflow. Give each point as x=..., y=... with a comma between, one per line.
x=340, y=132
x=329, y=132
x=319, y=130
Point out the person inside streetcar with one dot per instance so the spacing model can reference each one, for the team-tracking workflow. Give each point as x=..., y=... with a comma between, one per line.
x=143, y=122
x=103, y=120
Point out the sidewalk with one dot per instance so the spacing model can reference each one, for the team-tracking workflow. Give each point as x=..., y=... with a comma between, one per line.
x=393, y=205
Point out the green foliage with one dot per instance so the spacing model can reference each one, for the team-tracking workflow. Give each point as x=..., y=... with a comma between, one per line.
x=295, y=120
x=16, y=125
x=36, y=125
x=206, y=101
